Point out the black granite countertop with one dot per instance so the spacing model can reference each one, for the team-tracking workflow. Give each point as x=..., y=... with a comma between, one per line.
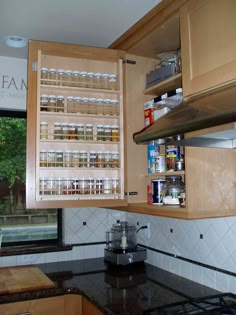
x=119, y=291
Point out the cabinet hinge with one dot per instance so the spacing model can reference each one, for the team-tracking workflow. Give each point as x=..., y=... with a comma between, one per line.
x=130, y=62
x=34, y=66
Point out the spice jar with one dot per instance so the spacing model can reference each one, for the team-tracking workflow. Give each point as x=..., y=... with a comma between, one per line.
x=107, y=185
x=67, y=158
x=59, y=158
x=59, y=186
x=99, y=186
x=78, y=108
x=100, y=159
x=60, y=77
x=115, y=159
x=72, y=131
x=92, y=108
x=91, y=186
x=52, y=103
x=68, y=78
x=90, y=79
x=51, y=158
x=75, y=158
x=70, y=104
x=65, y=131
x=107, y=133
x=83, y=159
x=112, y=82
x=83, y=79
x=84, y=105
x=57, y=131
x=115, y=185
x=43, y=158
x=89, y=132
x=42, y=186
x=104, y=81
x=80, y=131
x=100, y=133
x=60, y=103
x=92, y=159
x=75, y=78
x=107, y=159
x=107, y=107
x=97, y=80
x=115, y=108
x=99, y=106
x=52, y=76
x=43, y=130
x=44, y=103
x=75, y=186
x=115, y=133
x=67, y=186
x=50, y=186
x=44, y=75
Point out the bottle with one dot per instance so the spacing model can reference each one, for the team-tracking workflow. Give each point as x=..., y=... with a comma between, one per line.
x=43, y=130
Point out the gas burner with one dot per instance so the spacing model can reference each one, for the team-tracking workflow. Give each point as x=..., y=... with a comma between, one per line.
x=222, y=304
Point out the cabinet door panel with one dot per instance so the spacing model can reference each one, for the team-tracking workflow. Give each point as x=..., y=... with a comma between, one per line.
x=89, y=308
x=208, y=30
x=53, y=305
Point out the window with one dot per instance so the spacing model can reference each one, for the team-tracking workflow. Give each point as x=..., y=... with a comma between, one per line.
x=20, y=226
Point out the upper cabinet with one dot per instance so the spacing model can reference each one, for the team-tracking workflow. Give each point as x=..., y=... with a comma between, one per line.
x=208, y=45
x=75, y=131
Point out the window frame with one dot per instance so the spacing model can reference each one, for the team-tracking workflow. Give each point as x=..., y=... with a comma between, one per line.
x=34, y=243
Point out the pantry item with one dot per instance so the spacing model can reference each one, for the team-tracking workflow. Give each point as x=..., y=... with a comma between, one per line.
x=173, y=189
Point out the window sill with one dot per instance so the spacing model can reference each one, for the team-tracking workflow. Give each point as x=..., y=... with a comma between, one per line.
x=32, y=249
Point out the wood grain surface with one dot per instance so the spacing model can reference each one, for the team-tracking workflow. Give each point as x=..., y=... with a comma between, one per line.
x=23, y=278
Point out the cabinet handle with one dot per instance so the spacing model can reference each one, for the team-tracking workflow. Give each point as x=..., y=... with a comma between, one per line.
x=27, y=313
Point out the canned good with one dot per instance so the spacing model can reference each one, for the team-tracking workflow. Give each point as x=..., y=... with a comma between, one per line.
x=153, y=150
x=172, y=155
x=160, y=163
x=157, y=191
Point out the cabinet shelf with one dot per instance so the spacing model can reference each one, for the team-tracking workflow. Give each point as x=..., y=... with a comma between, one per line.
x=160, y=210
x=61, y=88
x=165, y=86
x=77, y=115
x=170, y=173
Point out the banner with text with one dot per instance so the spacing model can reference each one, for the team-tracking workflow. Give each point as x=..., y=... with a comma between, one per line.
x=13, y=83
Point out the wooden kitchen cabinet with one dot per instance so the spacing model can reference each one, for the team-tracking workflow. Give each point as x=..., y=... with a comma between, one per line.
x=209, y=173
x=94, y=173
x=89, y=308
x=73, y=304
x=53, y=305
x=208, y=45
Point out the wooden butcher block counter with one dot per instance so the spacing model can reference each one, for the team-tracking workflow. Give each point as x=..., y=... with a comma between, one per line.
x=23, y=278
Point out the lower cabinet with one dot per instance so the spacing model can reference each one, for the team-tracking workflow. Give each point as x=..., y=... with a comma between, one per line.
x=71, y=304
x=53, y=305
x=89, y=308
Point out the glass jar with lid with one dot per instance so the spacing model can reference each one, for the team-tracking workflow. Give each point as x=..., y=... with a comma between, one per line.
x=115, y=133
x=107, y=132
x=43, y=130
x=44, y=102
x=67, y=158
x=100, y=159
x=68, y=78
x=84, y=105
x=112, y=82
x=75, y=78
x=104, y=81
x=75, y=158
x=65, y=131
x=92, y=159
x=115, y=159
x=100, y=104
x=78, y=108
x=44, y=75
x=80, y=131
x=83, y=158
x=59, y=158
x=115, y=185
x=107, y=107
x=92, y=108
x=51, y=158
x=60, y=77
x=83, y=79
x=90, y=79
x=107, y=159
x=115, y=111
x=97, y=80
x=100, y=133
x=57, y=131
x=43, y=158
x=52, y=76
x=172, y=190
x=70, y=104
x=89, y=132
x=72, y=131
x=52, y=103
x=60, y=103
x=107, y=185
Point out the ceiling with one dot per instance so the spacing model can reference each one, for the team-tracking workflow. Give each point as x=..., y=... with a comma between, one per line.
x=85, y=22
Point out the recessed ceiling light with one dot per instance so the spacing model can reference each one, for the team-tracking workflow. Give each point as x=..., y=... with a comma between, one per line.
x=15, y=41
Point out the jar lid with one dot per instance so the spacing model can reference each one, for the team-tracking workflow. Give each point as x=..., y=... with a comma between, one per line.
x=44, y=95
x=52, y=70
x=44, y=69
x=52, y=96
x=60, y=70
x=60, y=97
x=43, y=123
x=89, y=125
x=68, y=72
x=76, y=72
x=70, y=97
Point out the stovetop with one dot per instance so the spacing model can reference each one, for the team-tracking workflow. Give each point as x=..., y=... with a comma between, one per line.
x=222, y=304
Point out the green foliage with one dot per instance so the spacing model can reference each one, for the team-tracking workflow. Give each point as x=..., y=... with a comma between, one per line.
x=13, y=150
